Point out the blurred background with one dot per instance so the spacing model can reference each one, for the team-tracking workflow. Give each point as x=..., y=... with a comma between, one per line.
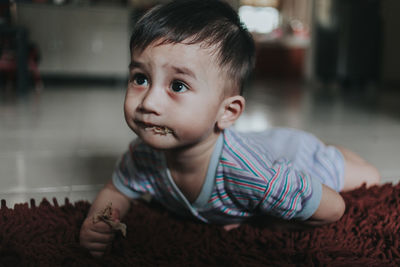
x=330, y=67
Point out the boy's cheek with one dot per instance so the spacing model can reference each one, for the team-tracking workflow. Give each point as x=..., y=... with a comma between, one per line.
x=129, y=119
x=130, y=106
x=127, y=114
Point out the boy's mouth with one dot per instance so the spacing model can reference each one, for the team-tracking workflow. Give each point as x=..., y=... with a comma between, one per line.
x=161, y=130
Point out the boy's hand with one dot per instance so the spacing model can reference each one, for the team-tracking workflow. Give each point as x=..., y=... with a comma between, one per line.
x=97, y=236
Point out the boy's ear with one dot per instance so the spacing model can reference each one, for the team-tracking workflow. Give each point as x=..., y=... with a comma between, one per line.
x=231, y=109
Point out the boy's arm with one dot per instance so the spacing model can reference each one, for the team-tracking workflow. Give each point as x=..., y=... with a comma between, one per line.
x=110, y=194
x=96, y=237
x=330, y=209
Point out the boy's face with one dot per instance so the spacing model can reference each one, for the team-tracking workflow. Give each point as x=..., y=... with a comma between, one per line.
x=175, y=95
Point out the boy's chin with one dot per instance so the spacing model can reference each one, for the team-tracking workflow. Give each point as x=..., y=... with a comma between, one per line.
x=160, y=142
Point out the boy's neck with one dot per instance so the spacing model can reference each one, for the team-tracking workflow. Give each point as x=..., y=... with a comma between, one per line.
x=189, y=166
x=191, y=159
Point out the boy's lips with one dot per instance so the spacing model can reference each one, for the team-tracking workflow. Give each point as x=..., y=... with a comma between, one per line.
x=157, y=129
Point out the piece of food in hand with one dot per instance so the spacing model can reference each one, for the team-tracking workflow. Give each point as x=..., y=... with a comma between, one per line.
x=105, y=216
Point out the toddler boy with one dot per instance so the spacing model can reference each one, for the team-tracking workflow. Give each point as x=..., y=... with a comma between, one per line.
x=189, y=62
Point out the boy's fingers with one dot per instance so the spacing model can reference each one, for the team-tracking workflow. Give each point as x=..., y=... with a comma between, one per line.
x=97, y=247
x=97, y=254
x=101, y=238
x=102, y=228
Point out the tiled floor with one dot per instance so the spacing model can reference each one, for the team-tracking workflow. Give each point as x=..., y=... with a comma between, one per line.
x=64, y=142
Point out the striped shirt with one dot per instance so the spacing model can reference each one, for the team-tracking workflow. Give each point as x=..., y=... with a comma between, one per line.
x=249, y=174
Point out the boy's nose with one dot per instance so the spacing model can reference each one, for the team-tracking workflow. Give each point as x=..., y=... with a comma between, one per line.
x=152, y=101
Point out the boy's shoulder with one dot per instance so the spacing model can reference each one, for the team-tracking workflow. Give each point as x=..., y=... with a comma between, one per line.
x=241, y=147
x=245, y=141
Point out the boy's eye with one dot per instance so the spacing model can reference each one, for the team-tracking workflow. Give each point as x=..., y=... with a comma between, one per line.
x=140, y=79
x=178, y=87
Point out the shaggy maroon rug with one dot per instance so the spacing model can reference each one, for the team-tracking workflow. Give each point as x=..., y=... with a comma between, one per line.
x=47, y=235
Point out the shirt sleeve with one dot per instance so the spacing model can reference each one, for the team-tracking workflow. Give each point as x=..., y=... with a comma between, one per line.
x=290, y=194
x=126, y=177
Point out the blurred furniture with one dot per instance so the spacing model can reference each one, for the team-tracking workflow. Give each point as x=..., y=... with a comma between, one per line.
x=18, y=59
x=279, y=61
x=347, y=41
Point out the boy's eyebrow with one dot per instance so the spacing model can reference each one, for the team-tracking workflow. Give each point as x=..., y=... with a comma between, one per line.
x=134, y=64
x=179, y=70
x=184, y=70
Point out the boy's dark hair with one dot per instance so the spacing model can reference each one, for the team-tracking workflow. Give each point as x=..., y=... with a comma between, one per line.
x=212, y=22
